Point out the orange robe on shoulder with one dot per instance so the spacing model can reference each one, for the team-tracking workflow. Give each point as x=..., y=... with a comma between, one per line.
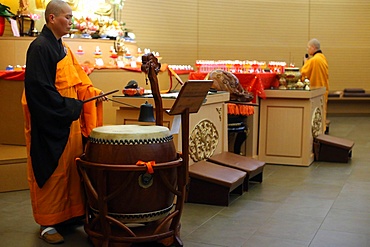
x=317, y=71
x=61, y=197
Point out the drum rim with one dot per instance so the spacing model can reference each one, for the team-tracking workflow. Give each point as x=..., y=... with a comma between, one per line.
x=135, y=217
x=122, y=141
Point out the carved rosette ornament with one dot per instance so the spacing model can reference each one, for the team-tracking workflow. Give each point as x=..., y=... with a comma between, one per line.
x=203, y=140
x=316, y=127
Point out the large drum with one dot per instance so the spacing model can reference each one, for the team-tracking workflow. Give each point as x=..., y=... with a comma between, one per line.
x=134, y=194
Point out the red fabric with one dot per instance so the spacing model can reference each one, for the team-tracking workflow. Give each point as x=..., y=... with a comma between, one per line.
x=239, y=109
x=197, y=76
x=252, y=82
x=15, y=75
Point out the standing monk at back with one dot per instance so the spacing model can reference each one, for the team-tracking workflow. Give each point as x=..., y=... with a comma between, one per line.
x=316, y=69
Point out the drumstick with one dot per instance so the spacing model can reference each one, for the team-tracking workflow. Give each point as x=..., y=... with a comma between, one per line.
x=99, y=96
x=119, y=102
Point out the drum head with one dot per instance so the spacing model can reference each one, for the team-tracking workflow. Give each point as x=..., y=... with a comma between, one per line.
x=129, y=133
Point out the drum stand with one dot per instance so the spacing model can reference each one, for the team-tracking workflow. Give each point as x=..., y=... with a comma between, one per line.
x=105, y=230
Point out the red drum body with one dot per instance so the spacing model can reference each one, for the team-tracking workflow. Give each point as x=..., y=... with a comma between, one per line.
x=133, y=194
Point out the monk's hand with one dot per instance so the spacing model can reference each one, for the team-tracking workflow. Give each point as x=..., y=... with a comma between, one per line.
x=305, y=58
x=105, y=98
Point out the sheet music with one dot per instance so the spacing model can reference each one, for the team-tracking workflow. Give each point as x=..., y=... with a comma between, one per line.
x=176, y=123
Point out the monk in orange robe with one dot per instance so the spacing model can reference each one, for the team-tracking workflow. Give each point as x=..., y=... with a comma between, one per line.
x=56, y=119
x=316, y=69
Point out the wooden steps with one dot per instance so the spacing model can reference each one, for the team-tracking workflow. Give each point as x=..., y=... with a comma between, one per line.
x=211, y=183
x=253, y=168
x=213, y=180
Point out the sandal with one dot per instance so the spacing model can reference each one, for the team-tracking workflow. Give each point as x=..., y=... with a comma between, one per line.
x=51, y=238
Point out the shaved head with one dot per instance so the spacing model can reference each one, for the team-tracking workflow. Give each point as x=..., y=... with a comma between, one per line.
x=315, y=43
x=54, y=7
x=58, y=16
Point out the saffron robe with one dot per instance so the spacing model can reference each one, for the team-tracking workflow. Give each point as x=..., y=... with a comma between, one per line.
x=317, y=71
x=55, y=119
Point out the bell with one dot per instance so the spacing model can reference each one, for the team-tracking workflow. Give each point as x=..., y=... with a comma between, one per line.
x=146, y=113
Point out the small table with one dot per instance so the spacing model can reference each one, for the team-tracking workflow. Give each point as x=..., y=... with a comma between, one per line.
x=289, y=121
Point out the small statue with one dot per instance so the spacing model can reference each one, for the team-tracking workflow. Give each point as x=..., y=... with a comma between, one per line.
x=23, y=7
x=299, y=84
x=282, y=83
x=306, y=83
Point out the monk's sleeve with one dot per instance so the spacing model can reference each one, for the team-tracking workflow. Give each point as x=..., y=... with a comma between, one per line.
x=92, y=113
x=51, y=114
x=306, y=70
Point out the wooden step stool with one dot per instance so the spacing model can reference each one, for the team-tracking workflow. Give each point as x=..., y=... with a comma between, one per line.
x=332, y=149
x=211, y=183
x=253, y=168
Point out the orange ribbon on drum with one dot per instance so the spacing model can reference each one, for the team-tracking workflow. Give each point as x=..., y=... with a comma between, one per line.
x=149, y=165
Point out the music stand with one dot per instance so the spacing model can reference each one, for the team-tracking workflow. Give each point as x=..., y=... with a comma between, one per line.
x=189, y=100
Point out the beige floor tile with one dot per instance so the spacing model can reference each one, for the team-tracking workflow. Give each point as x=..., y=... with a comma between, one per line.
x=305, y=206
x=339, y=239
x=289, y=226
x=259, y=241
x=224, y=231
x=347, y=221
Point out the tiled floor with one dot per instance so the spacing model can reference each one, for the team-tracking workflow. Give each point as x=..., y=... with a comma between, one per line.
x=324, y=205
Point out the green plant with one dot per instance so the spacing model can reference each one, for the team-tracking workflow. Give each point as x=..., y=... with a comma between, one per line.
x=5, y=12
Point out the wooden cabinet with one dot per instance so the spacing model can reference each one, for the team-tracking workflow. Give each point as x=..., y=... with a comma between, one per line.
x=289, y=120
x=11, y=112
